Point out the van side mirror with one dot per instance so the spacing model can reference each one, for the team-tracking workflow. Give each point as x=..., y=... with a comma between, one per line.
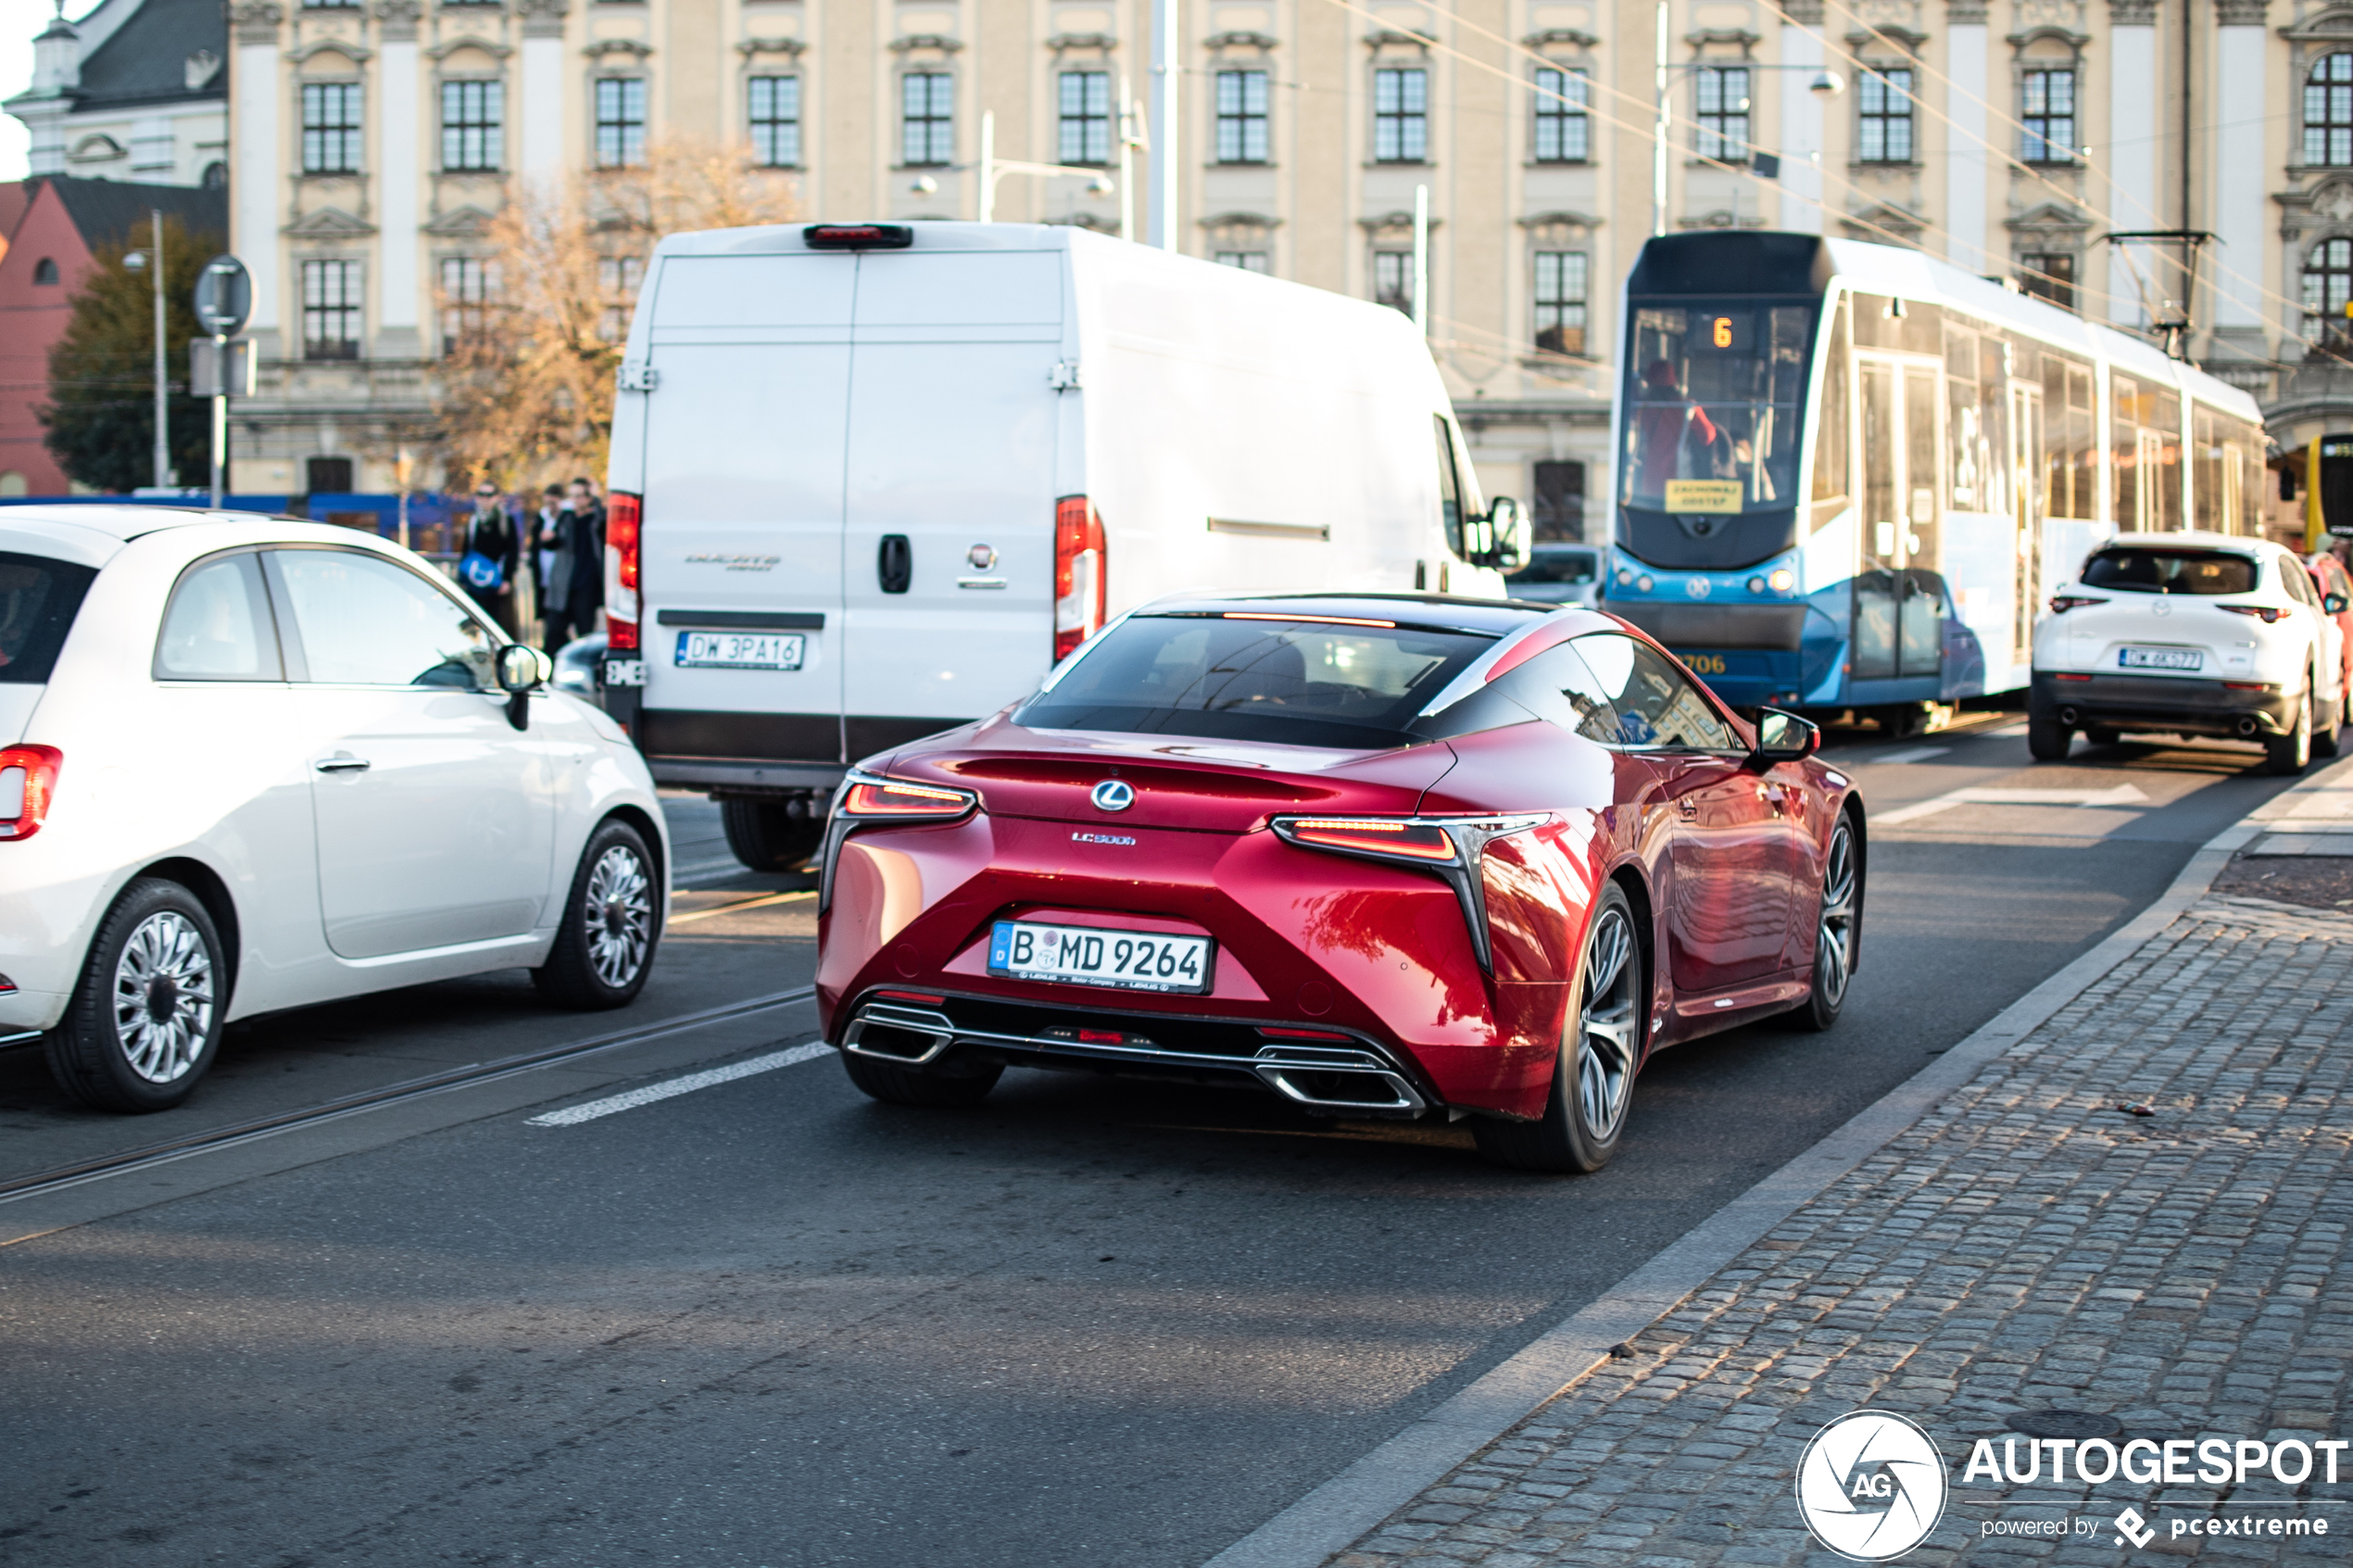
x=1505, y=540
x=1784, y=737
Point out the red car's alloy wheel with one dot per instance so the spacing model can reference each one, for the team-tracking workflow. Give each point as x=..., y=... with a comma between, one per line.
x=1601, y=1046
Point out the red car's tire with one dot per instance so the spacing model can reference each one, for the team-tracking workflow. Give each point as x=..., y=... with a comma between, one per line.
x=1601, y=1037
x=910, y=1086
x=1838, y=941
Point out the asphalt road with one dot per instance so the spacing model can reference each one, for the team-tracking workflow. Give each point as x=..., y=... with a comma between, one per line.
x=771, y=1322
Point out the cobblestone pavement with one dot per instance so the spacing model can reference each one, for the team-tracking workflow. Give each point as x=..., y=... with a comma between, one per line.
x=2027, y=1246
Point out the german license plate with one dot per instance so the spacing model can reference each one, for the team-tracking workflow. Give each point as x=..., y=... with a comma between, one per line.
x=2159, y=658
x=740, y=650
x=1086, y=954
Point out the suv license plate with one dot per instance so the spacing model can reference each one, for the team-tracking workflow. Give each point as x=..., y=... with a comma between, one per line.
x=2159, y=658
x=740, y=650
x=1086, y=954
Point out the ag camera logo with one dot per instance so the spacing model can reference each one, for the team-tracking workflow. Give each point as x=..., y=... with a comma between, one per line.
x=1871, y=1486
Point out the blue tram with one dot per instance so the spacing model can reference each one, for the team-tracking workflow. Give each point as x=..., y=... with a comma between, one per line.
x=1849, y=475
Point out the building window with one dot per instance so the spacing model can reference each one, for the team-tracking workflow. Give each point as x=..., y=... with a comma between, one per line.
x=327, y=476
x=215, y=176
x=1723, y=113
x=473, y=118
x=45, y=271
x=775, y=121
x=1557, y=511
x=621, y=121
x=1564, y=132
x=2046, y=108
x=1884, y=110
x=927, y=106
x=1560, y=301
x=2048, y=275
x=466, y=283
x=1394, y=279
x=1400, y=116
x=2328, y=112
x=1083, y=118
x=618, y=279
x=1241, y=116
x=330, y=310
x=331, y=128
x=2328, y=286
x=1247, y=261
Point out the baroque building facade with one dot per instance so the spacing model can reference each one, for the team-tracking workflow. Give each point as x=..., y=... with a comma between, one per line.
x=372, y=140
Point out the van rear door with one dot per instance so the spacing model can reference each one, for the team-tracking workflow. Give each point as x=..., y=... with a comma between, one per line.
x=948, y=560
x=742, y=556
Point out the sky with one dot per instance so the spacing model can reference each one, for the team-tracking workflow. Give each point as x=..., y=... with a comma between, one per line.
x=19, y=19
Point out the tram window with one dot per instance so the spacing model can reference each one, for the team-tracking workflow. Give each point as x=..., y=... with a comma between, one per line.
x=2208, y=482
x=1963, y=432
x=2250, y=441
x=1905, y=324
x=1994, y=421
x=1716, y=428
x=1830, y=427
x=2124, y=442
x=2164, y=465
x=2067, y=435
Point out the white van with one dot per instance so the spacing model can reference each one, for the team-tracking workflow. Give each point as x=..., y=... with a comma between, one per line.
x=872, y=481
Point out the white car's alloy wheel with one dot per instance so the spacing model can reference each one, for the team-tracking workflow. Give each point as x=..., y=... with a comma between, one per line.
x=163, y=997
x=618, y=913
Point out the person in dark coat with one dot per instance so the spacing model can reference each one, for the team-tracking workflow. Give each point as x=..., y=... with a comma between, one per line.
x=491, y=532
x=576, y=575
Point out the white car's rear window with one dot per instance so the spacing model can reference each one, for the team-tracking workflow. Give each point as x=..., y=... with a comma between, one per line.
x=39, y=598
x=2143, y=569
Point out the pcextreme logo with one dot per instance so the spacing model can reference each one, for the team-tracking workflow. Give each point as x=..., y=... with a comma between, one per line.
x=1871, y=1486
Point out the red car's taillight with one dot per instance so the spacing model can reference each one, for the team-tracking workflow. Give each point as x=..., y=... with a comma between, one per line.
x=870, y=796
x=1079, y=586
x=624, y=515
x=1448, y=846
x=27, y=782
x=2268, y=613
x=1389, y=838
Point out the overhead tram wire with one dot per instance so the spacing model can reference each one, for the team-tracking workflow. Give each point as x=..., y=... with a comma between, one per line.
x=1645, y=131
x=1649, y=105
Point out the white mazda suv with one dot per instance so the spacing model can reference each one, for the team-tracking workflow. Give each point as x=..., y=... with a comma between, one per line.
x=251, y=763
x=2190, y=634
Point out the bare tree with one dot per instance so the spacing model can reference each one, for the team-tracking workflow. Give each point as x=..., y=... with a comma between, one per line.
x=533, y=340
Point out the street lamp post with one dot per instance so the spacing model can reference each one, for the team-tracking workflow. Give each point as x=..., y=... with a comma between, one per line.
x=152, y=264
x=1826, y=84
x=993, y=169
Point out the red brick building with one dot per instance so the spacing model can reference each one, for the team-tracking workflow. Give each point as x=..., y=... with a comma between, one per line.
x=49, y=227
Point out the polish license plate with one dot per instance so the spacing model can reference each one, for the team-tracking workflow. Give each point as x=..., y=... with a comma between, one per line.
x=740, y=650
x=2159, y=658
x=1086, y=954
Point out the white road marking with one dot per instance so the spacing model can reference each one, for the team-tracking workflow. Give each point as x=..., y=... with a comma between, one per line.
x=1910, y=753
x=572, y=1115
x=2122, y=795
x=2005, y=731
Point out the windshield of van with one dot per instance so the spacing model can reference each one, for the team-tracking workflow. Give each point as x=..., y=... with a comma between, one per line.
x=38, y=599
x=1714, y=405
x=1239, y=676
x=2141, y=570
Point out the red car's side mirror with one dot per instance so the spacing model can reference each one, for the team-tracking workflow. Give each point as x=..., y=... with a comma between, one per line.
x=1784, y=737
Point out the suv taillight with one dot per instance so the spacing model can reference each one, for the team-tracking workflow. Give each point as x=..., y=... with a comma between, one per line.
x=1078, y=574
x=27, y=782
x=622, y=514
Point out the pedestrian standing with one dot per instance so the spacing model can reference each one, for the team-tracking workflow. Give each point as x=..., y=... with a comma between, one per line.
x=492, y=553
x=576, y=573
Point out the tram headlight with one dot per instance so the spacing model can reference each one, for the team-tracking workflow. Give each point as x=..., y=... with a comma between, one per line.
x=1644, y=583
x=1756, y=584
x=1624, y=577
x=1783, y=580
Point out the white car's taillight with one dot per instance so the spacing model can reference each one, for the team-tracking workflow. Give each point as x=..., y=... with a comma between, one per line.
x=27, y=783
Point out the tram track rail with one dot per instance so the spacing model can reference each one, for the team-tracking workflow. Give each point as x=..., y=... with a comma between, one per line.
x=125, y=1162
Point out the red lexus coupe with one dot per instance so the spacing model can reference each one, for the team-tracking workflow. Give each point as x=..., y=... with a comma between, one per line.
x=1382, y=854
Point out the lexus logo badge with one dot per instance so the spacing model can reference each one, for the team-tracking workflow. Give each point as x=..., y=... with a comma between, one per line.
x=1112, y=795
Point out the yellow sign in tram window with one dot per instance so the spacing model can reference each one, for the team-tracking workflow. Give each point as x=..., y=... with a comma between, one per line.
x=1702, y=494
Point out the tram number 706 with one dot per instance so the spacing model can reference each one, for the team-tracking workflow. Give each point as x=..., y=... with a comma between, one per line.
x=1702, y=663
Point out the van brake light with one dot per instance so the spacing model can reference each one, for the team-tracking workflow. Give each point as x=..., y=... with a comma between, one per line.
x=622, y=514
x=27, y=782
x=1080, y=584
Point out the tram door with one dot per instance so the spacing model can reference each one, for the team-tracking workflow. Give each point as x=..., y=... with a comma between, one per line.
x=1899, y=603
x=2026, y=482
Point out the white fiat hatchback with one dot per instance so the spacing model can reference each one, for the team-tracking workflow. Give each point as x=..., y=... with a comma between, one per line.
x=2190, y=634
x=253, y=763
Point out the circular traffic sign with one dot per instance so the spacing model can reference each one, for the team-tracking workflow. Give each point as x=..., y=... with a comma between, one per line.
x=224, y=296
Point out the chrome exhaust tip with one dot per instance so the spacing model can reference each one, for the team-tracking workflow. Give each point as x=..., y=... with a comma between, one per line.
x=1337, y=1080
x=906, y=1036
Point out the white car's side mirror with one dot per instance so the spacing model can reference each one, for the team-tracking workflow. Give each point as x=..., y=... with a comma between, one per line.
x=522, y=668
